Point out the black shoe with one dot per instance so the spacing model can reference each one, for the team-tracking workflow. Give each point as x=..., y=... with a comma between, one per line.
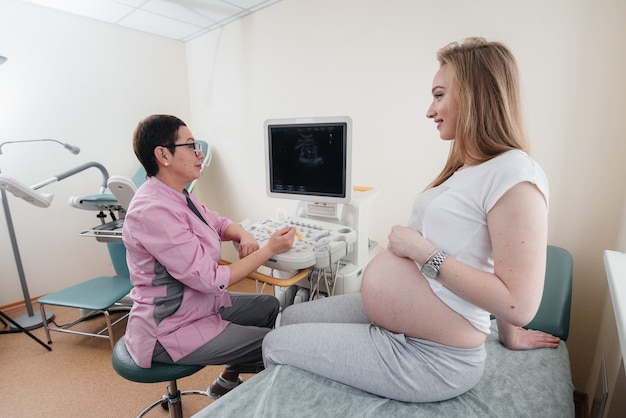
x=251, y=368
x=221, y=387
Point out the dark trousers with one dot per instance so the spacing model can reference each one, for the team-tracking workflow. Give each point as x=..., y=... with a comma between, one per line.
x=251, y=317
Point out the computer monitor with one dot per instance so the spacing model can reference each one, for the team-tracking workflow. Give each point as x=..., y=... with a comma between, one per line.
x=310, y=159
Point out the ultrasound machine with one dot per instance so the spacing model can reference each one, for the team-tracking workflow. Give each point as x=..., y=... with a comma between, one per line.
x=310, y=160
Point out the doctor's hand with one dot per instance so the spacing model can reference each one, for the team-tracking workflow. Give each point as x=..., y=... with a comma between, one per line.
x=281, y=240
x=247, y=244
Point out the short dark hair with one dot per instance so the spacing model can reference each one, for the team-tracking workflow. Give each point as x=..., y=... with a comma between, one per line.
x=152, y=132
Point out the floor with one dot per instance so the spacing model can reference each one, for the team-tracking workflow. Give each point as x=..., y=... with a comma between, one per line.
x=76, y=378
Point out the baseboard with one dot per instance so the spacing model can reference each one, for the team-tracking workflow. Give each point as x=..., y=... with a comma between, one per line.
x=20, y=304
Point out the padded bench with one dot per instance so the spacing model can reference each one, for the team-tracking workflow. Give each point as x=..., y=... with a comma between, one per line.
x=94, y=296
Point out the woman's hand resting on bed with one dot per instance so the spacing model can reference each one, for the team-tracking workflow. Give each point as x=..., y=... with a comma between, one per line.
x=516, y=338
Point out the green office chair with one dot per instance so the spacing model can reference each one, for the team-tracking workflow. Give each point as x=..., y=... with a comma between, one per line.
x=124, y=365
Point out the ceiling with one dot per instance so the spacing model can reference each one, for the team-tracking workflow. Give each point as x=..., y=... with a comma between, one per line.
x=181, y=20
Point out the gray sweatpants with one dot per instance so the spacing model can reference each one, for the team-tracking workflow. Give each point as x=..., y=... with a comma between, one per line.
x=333, y=337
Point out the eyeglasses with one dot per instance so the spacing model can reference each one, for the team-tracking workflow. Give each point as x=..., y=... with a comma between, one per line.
x=197, y=147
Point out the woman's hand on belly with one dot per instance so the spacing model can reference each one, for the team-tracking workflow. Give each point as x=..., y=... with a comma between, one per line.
x=397, y=297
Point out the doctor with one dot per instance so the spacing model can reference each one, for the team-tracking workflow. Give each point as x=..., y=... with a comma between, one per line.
x=182, y=311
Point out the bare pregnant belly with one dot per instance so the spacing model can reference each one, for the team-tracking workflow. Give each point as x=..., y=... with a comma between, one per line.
x=396, y=296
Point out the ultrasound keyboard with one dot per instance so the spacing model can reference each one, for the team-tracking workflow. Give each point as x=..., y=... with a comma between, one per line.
x=317, y=244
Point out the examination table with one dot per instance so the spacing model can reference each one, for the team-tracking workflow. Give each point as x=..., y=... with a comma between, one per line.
x=533, y=383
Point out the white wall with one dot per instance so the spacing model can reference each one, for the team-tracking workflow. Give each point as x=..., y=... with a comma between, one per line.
x=88, y=84
x=374, y=60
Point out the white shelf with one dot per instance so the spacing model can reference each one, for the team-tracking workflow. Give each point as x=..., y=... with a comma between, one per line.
x=615, y=265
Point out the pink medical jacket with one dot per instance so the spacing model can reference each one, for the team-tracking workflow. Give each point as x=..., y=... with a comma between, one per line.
x=167, y=244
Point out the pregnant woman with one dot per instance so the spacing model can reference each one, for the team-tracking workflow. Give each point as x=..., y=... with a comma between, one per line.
x=475, y=244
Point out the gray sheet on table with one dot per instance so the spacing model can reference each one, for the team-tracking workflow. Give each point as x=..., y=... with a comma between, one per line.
x=535, y=383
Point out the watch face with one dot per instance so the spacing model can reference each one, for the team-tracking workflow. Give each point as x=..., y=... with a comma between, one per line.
x=430, y=271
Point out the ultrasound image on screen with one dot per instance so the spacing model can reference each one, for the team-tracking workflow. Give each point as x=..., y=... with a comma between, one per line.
x=308, y=159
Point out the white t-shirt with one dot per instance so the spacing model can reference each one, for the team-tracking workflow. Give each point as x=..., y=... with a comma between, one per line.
x=453, y=216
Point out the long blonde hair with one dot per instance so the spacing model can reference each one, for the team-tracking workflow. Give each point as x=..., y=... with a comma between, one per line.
x=485, y=82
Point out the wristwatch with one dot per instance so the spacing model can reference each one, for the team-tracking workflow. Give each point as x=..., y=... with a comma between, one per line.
x=430, y=270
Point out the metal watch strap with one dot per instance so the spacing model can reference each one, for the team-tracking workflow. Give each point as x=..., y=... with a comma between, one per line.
x=438, y=259
x=435, y=263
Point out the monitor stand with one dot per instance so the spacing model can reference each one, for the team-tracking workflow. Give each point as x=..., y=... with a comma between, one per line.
x=354, y=215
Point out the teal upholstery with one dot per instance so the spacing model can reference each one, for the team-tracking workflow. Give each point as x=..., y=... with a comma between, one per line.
x=553, y=316
x=117, y=252
x=95, y=296
x=159, y=372
x=98, y=293
x=124, y=365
